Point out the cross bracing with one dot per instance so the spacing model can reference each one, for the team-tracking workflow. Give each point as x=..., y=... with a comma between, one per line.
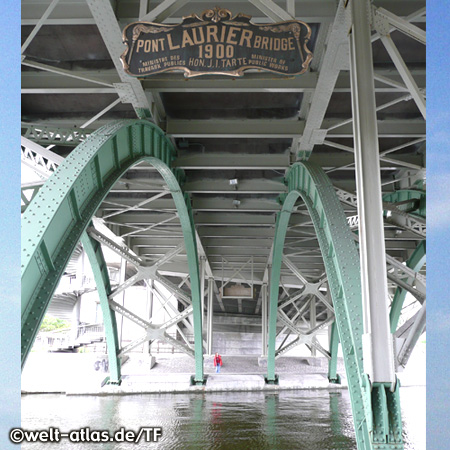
x=236, y=138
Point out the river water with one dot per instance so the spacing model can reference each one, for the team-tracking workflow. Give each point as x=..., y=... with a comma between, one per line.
x=286, y=420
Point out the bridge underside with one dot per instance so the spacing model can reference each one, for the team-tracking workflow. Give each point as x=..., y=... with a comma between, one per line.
x=243, y=197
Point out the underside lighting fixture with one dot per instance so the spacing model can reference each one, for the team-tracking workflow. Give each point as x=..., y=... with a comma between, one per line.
x=236, y=203
x=234, y=182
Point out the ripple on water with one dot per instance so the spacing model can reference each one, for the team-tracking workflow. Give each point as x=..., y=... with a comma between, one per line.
x=287, y=420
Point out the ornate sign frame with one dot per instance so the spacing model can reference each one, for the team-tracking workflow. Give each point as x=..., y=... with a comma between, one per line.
x=216, y=43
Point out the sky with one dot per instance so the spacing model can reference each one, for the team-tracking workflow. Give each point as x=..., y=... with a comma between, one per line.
x=438, y=224
x=10, y=220
x=438, y=187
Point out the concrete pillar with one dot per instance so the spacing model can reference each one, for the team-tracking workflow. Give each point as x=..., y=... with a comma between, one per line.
x=377, y=340
x=264, y=309
x=209, y=339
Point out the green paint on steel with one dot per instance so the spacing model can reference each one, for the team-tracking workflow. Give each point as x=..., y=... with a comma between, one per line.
x=418, y=258
x=403, y=195
x=415, y=262
x=333, y=376
x=98, y=264
x=341, y=259
x=56, y=219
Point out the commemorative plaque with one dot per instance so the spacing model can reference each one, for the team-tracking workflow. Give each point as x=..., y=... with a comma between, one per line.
x=216, y=43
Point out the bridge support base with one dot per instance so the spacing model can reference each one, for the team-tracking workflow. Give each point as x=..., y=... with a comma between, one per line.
x=201, y=382
x=274, y=381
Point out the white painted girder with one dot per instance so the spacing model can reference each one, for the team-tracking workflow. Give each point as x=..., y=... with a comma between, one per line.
x=283, y=128
x=73, y=81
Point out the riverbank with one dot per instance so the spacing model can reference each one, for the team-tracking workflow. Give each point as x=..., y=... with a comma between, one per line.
x=76, y=374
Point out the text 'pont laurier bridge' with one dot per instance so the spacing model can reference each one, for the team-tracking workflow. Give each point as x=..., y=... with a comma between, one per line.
x=294, y=202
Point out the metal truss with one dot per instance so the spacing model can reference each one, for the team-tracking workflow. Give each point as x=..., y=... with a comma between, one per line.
x=341, y=260
x=43, y=161
x=302, y=337
x=383, y=20
x=411, y=272
x=394, y=205
x=129, y=90
x=293, y=302
x=145, y=271
x=66, y=204
x=50, y=135
x=153, y=332
x=407, y=336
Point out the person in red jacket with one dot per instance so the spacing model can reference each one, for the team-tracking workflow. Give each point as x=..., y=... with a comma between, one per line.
x=217, y=362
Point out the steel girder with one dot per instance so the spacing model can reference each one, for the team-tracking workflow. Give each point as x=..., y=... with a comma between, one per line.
x=369, y=403
x=100, y=271
x=415, y=262
x=418, y=258
x=58, y=216
x=405, y=201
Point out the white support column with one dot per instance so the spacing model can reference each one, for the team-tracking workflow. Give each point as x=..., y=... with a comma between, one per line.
x=150, y=284
x=210, y=315
x=75, y=319
x=312, y=322
x=202, y=287
x=264, y=308
x=377, y=339
x=121, y=297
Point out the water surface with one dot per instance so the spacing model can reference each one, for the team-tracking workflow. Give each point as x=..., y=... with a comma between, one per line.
x=286, y=420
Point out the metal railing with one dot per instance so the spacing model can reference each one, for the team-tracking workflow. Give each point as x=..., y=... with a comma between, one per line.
x=64, y=339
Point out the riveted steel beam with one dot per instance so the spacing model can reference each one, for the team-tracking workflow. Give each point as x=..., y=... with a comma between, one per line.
x=94, y=252
x=408, y=335
x=130, y=89
x=415, y=263
x=342, y=268
x=66, y=203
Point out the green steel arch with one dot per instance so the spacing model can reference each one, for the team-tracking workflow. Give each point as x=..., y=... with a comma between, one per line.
x=418, y=258
x=376, y=410
x=415, y=262
x=56, y=219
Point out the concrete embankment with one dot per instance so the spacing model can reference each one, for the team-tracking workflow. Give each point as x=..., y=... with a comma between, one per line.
x=82, y=374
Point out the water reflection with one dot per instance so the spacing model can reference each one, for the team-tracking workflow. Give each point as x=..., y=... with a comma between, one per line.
x=271, y=419
x=285, y=420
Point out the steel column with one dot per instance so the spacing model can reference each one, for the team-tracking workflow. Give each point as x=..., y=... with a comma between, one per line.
x=202, y=287
x=377, y=339
x=312, y=322
x=210, y=315
x=264, y=319
x=150, y=285
x=121, y=299
x=99, y=269
x=333, y=377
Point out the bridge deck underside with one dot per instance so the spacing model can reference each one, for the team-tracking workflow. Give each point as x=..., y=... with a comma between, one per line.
x=249, y=130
